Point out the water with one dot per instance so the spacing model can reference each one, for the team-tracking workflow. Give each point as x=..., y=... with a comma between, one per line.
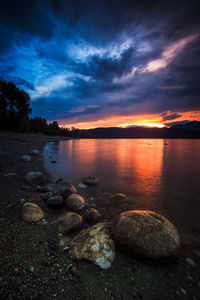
x=156, y=174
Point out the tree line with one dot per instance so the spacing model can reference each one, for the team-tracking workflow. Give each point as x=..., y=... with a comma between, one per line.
x=15, y=110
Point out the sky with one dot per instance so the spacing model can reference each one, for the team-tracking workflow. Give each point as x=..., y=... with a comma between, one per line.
x=105, y=62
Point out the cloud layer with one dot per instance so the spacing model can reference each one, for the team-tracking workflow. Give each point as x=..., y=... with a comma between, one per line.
x=88, y=62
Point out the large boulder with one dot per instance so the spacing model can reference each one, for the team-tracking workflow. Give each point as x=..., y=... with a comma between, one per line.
x=91, y=180
x=146, y=233
x=35, y=178
x=75, y=202
x=63, y=188
x=69, y=221
x=94, y=244
x=31, y=212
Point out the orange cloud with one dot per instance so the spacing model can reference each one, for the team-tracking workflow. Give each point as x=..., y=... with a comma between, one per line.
x=151, y=120
x=169, y=54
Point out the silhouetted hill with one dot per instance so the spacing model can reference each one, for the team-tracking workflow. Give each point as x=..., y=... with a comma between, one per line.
x=191, y=126
x=189, y=130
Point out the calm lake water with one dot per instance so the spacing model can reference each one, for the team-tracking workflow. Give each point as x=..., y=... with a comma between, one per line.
x=161, y=175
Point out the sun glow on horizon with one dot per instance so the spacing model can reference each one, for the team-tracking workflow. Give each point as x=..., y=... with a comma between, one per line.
x=144, y=120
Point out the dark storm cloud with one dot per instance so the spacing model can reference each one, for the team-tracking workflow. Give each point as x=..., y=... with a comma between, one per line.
x=90, y=59
x=171, y=117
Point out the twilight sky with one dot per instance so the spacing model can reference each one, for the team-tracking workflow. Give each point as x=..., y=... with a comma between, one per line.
x=104, y=62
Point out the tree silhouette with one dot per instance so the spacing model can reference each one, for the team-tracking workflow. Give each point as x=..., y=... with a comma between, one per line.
x=14, y=107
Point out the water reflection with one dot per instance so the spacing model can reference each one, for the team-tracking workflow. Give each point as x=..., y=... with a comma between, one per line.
x=155, y=174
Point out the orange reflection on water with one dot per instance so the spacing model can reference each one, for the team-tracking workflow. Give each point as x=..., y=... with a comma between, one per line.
x=130, y=166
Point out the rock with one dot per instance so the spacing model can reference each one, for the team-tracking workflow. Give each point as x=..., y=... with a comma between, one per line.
x=26, y=187
x=190, y=262
x=118, y=197
x=35, y=177
x=82, y=185
x=91, y=180
x=10, y=174
x=63, y=188
x=48, y=188
x=94, y=244
x=35, y=188
x=26, y=158
x=31, y=212
x=146, y=233
x=69, y=221
x=75, y=202
x=53, y=161
x=93, y=216
x=64, y=243
x=31, y=269
x=34, y=152
x=46, y=196
x=55, y=201
x=74, y=271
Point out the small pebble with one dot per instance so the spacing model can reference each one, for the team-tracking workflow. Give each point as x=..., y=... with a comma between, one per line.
x=31, y=269
x=183, y=291
x=190, y=262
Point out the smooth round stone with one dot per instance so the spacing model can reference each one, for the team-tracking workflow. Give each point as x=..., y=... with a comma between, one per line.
x=55, y=201
x=91, y=180
x=146, y=233
x=118, y=197
x=35, y=178
x=46, y=196
x=63, y=188
x=34, y=152
x=26, y=158
x=75, y=202
x=93, y=216
x=31, y=212
x=69, y=221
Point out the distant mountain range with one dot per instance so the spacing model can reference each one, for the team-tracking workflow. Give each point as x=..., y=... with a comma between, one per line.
x=188, y=130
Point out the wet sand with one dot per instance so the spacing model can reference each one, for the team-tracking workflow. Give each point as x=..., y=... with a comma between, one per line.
x=31, y=267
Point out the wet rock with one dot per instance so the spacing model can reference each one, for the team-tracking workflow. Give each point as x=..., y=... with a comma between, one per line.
x=75, y=202
x=118, y=197
x=48, y=188
x=46, y=196
x=91, y=180
x=34, y=152
x=63, y=188
x=82, y=185
x=69, y=221
x=55, y=201
x=35, y=178
x=35, y=188
x=146, y=233
x=93, y=216
x=31, y=212
x=94, y=244
x=26, y=158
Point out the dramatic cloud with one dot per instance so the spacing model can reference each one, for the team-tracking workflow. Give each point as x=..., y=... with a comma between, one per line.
x=100, y=63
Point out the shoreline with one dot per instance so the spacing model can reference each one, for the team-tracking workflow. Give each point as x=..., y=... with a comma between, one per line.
x=26, y=245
